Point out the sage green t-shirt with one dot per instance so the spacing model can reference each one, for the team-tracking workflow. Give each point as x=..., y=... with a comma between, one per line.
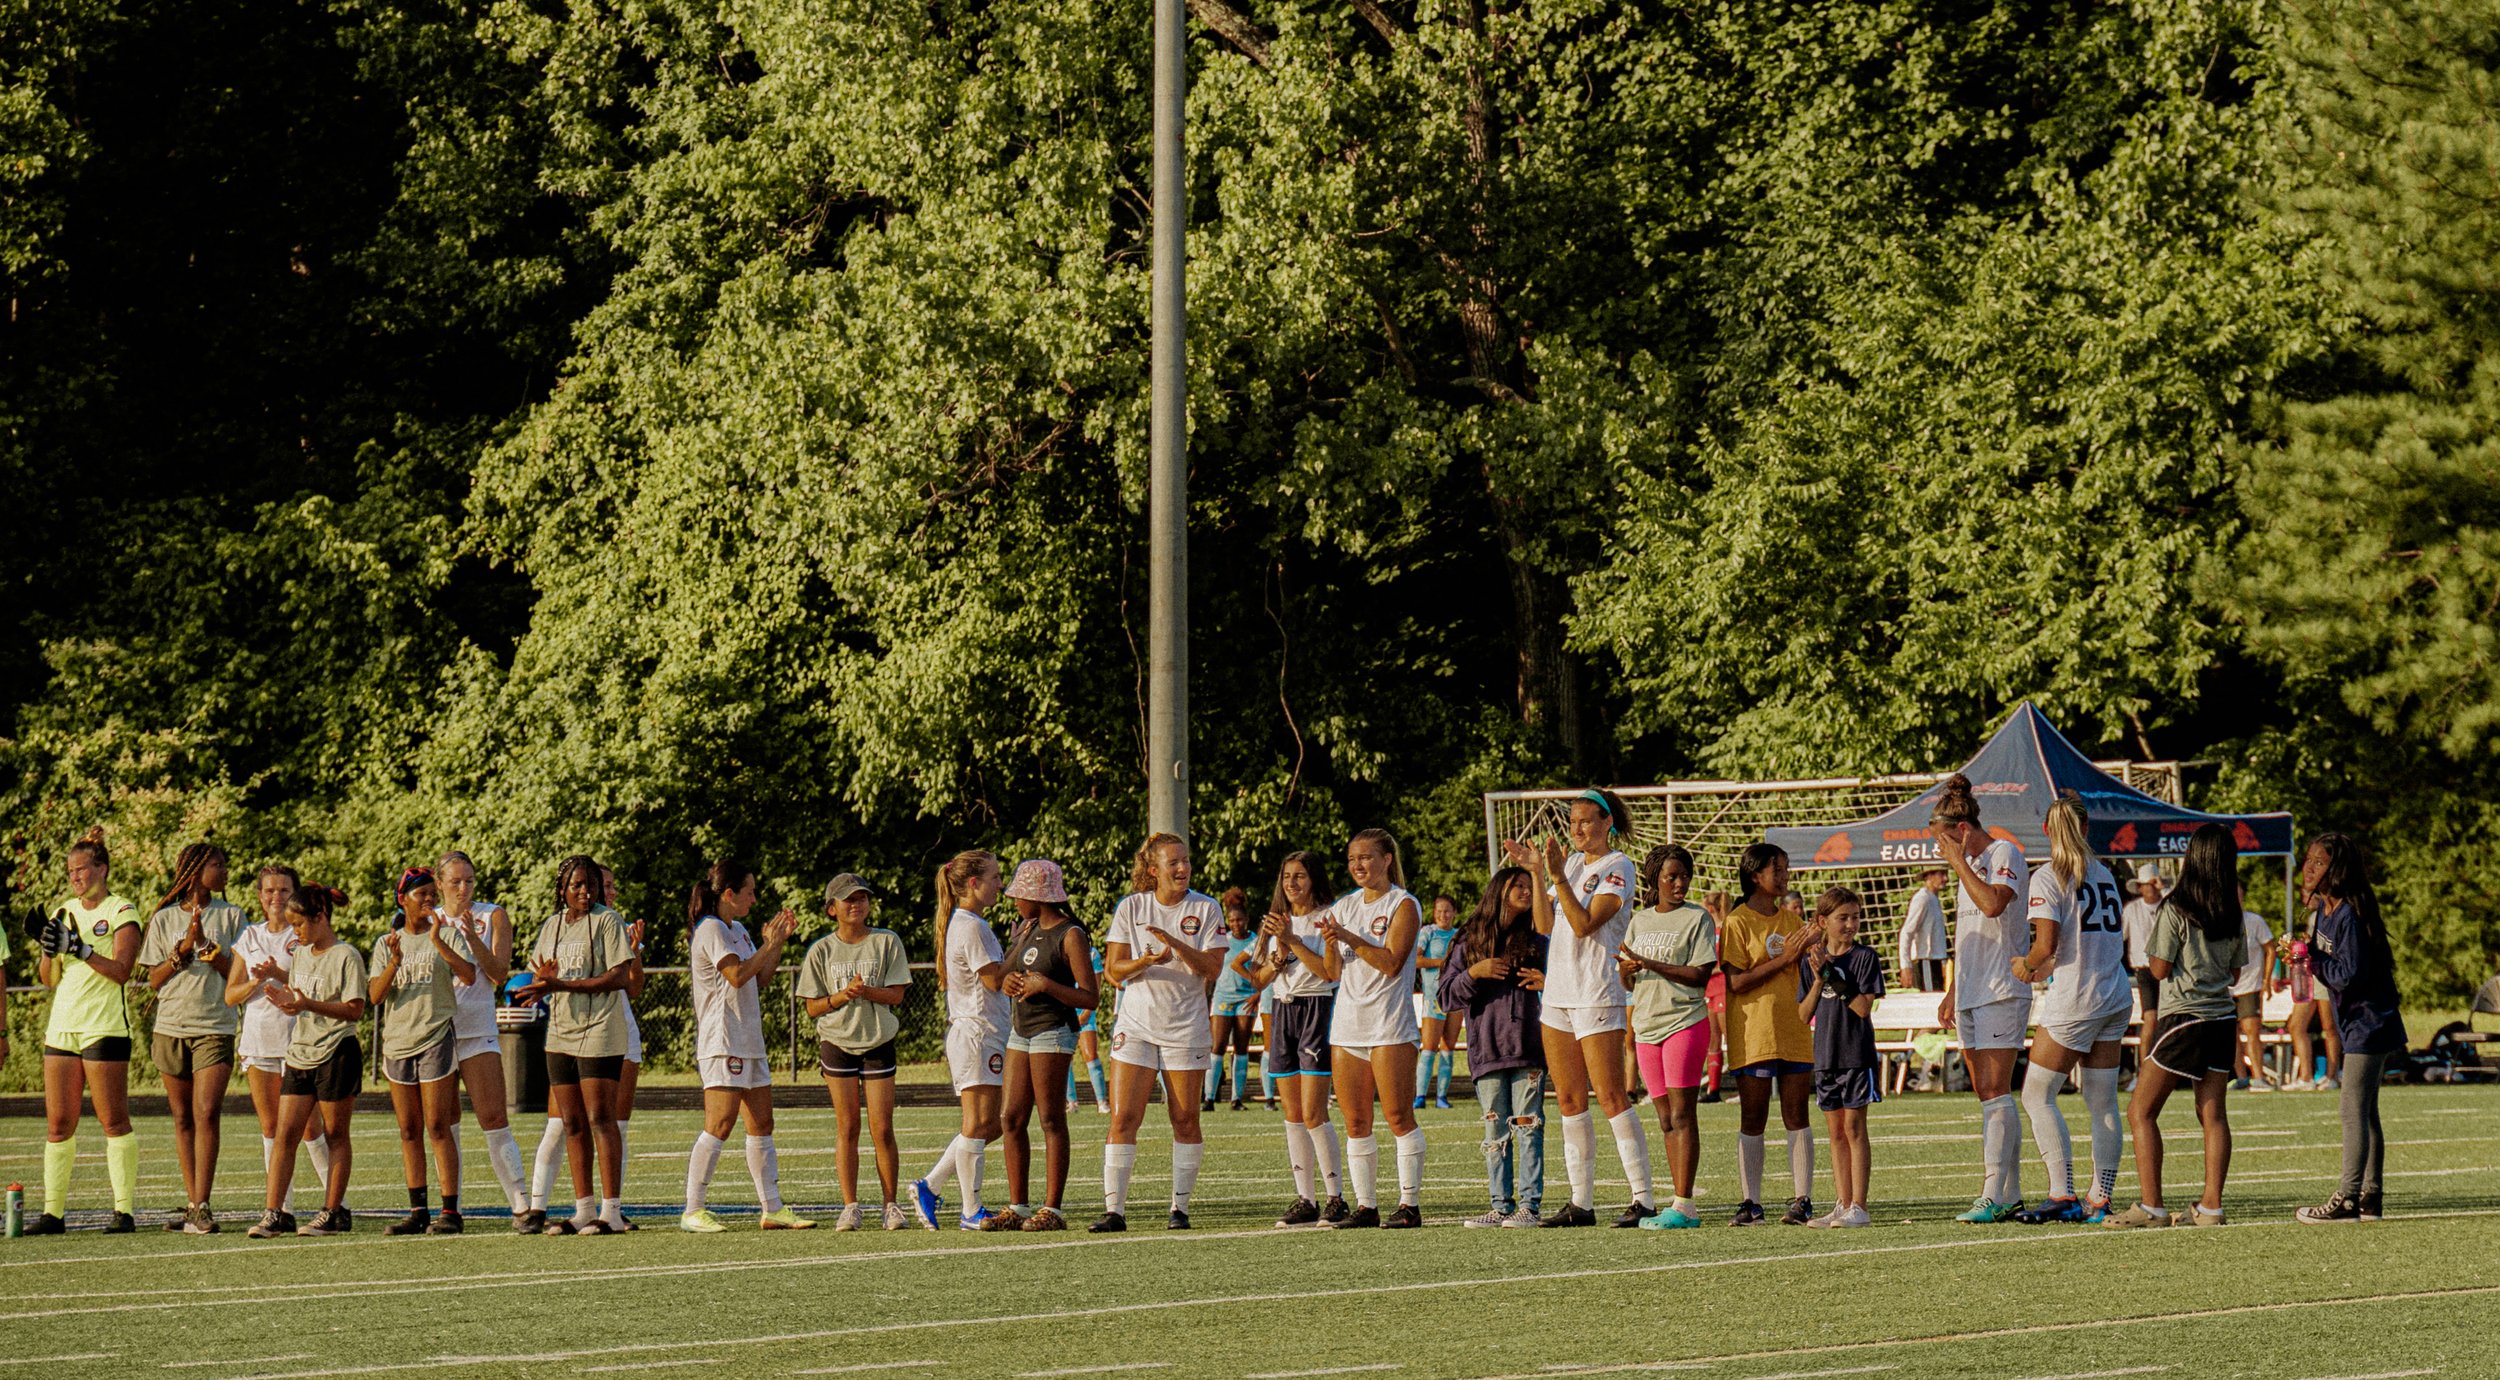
x=424, y=995
x=1687, y=937
x=336, y=973
x=2201, y=969
x=193, y=1001
x=831, y=963
x=586, y=1025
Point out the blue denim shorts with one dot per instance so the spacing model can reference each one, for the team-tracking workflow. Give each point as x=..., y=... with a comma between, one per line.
x=1059, y=1039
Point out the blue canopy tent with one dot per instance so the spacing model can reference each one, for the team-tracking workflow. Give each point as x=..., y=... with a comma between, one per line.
x=2015, y=776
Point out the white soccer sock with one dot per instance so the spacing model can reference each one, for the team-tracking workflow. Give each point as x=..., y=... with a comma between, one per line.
x=2109, y=1139
x=1749, y=1166
x=585, y=1210
x=624, y=1154
x=699, y=1166
x=944, y=1169
x=1324, y=1157
x=1118, y=1162
x=319, y=1148
x=1298, y=1155
x=970, y=1160
x=1632, y=1147
x=1411, y=1168
x=612, y=1212
x=1185, y=1161
x=269, y=1161
x=2048, y=1127
x=764, y=1167
x=504, y=1153
x=1362, y=1163
x=1579, y=1156
x=1801, y=1162
x=543, y=1168
x=2000, y=1140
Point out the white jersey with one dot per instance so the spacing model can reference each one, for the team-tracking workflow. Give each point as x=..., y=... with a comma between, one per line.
x=1581, y=971
x=1296, y=979
x=2088, y=978
x=1922, y=929
x=728, y=1018
x=2138, y=925
x=2252, y=976
x=1373, y=1007
x=1165, y=1003
x=1984, y=950
x=266, y=1029
x=474, y=1013
x=971, y=945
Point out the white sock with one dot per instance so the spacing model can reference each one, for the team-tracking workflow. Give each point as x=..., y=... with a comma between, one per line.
x=2109, y=1140
x=585, y=1210
x=1324, y=1157
x=1362, y=1163
x=543, y=1168
x=944, y=1169
x=1411, y=1168
x=2000, y=1139
x=1118, y=1162
x=970, y=1160
x=2048, y=1127
x=1801, y=1162
x=319, y=1148
x=1298, y=1154
x=504, y=1153
x=1749, y=1166
x=268, y=1161
x=1632, y=1147
x=764, y=1167
x=612, y=1212
x=699, y=1166
x=1579, y=1156
x=1185, y=1162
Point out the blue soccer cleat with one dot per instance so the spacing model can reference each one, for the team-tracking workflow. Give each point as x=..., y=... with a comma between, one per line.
x=926, y=1202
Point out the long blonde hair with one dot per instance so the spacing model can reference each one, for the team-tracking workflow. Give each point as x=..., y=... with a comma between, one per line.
x=953, y=879
x=1387, y=843
x=2069, y=851
x=1141, y=873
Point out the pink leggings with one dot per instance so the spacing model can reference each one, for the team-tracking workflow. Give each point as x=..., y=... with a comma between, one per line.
x=1676, y=1061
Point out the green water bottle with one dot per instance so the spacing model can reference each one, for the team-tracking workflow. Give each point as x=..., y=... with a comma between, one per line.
x=17, y=1211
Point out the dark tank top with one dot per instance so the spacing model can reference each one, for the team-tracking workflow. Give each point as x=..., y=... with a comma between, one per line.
x=1040, y=947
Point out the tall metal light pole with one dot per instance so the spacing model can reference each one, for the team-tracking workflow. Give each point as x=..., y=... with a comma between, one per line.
x=1167, y=483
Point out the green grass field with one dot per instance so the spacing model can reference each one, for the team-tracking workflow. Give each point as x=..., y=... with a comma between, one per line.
x=1919, y=1295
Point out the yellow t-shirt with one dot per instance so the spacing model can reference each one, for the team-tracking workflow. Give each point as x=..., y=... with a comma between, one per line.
x=85, y=1007
x=1763, y=1023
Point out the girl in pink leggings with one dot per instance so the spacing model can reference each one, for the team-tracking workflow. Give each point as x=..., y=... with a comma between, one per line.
x=1666, y=961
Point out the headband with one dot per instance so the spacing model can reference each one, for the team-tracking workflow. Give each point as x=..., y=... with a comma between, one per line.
x=1598, y=799
x=413, y=878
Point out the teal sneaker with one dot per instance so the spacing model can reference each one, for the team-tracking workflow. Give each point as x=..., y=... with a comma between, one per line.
x=1668, y=1219
x=2095, y=1212
x=1984, y=1212
x=2050, y=1211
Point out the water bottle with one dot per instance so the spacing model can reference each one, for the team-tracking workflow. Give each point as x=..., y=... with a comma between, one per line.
x=17, y=1211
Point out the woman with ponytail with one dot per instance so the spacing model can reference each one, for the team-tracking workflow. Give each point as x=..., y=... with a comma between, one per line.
x=1367, y=945
x=2078, y=966
x=487, y=929
x=1286, y=964
x=2198, y=945
x=1158, y=956
x=188, y=954
x=1984, y=1002
x=415, y=968
x=264, y=958
x=326, y=997
x=727, y=971
x=973, y=967
x=2350, y=957
x=1584, y=906
x=580, y=967
x=88, y=948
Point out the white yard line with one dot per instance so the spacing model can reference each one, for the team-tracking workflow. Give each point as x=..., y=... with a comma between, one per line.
x=2103, y=1374
x=47, y=1360
x=1819, y=1374
x=868, y=1366
x=239, y=1361
x=2378, y=1375
x=651, y=1365
x=1326, y=1370
x=1110, y=1369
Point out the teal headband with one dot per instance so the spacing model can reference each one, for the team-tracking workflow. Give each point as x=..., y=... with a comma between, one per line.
x=1598, y=799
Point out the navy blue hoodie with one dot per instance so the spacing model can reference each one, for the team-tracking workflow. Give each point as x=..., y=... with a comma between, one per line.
x=1502, y=1016
x=2361, y=971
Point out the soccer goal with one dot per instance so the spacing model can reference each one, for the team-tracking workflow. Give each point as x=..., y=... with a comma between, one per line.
x=1717, y=820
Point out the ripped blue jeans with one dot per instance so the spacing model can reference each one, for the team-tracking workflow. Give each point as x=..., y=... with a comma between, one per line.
x=1514, y=1137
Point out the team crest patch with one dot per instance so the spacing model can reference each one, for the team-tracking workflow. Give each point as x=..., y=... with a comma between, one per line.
x=1380, y=926
x=1190, y=925
x=1032, y=956
x=1119, y=1040
x=737, y=1065
x=101, y=928
x=998, y=1062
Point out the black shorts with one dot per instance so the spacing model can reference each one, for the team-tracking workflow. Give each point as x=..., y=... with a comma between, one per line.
x=2147, y=992
x=112, y=1049
x=335, y=1079
x=833, y=1061
x=1297, y=1037
x=2194, y=1047
x=1927, y=974
x=568, y=1070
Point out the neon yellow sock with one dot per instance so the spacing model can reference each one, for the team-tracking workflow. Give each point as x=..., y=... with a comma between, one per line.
x=121, y=1163
x=58, y=1156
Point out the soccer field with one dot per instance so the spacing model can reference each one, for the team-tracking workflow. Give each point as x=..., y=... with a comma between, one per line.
x=1918, y=1295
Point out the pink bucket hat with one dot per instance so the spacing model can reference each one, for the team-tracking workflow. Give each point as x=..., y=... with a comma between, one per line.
x=1038, y=879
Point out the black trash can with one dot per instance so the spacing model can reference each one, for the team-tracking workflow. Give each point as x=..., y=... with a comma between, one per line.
x=523, y=1030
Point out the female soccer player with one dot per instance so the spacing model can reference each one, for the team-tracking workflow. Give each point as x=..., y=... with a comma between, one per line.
x=1367, y=944
x=973, y=967
x=478, y=1048
x=264, y=957
x=727, y=971
x=89, y=947
x=188, y=952
x=1493, y=972
x=1584, y=906
x=852, y=981
x=414, y=967
x=2196, y=949
x=326, y=996
x=1769, y=1048
x=1234, y=1012
x=1163, y=951
x=1983, y=1000
x=1669, y=953
x=1839, y=994
x=1298, y=1053
x=2078, y=965
x=1050, y=979
x=2349, y=949
x=580, y=967
x=1440, y=1026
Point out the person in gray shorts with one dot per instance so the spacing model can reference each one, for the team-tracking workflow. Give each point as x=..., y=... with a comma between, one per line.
x=415, y=967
